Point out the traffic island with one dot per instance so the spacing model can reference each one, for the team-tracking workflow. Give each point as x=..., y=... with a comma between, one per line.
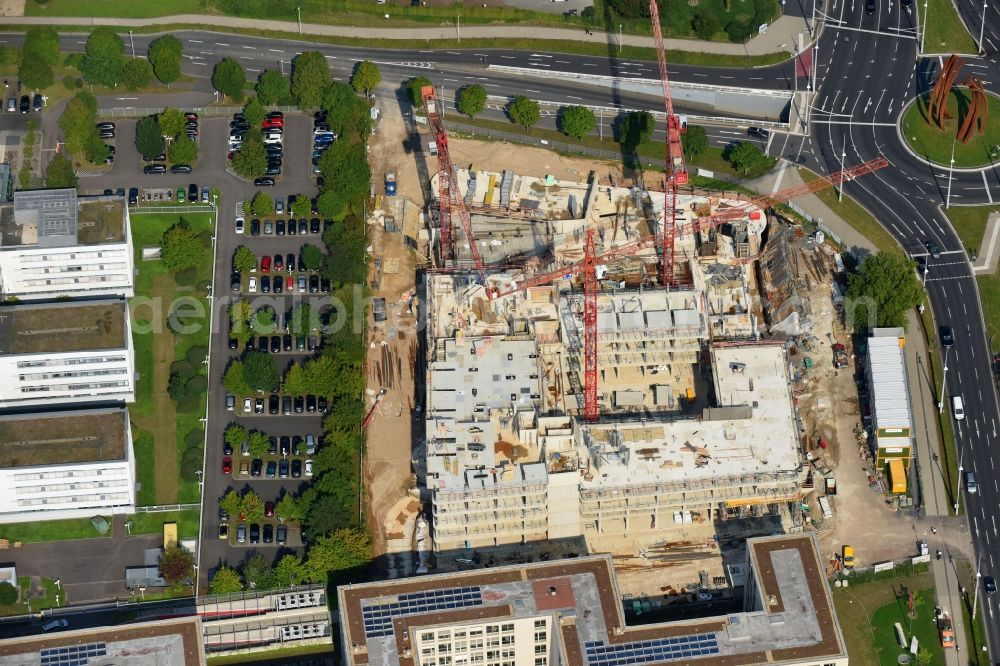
x=927, y=140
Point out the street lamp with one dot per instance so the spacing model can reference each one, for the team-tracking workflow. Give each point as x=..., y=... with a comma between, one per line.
x=619, y=39
x=944, y=377
x=982, y=27
x=133, y=43
x=923, y=33
x=843, y=158
x=298, y=12
x=958, y=491
x=951, y=171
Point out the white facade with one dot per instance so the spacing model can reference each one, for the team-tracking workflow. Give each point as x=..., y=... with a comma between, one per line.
x=66, y=487
x=518, y=641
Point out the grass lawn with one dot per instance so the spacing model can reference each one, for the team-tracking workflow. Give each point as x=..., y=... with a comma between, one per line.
x=975, y=632
x=50, y=530
x=270, y=655
x=855, y=215
x=161, y=427
x=945, y=31
x=936, y=144
x=152, y=523
x=37, y=603
x=947, y=452
x=867, y=612
x=970, y=224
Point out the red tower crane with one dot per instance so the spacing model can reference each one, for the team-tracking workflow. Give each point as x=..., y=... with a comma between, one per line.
x=449, y=198
x=674, y=166
x=587, y=267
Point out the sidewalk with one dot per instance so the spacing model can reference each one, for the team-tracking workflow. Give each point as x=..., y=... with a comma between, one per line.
x=782, y=35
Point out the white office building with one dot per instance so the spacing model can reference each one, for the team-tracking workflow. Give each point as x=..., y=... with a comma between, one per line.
x=53, y=245
x=67, y=352
x=57, y=465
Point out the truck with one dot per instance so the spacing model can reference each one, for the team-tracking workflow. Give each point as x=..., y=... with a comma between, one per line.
x=945, y=630
x=839, y=356
x=848, y=557
x=390, y=184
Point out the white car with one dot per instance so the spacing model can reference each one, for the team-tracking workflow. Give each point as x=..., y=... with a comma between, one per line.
x=309, y=468
x=247, y=408
x=239, y=225
x=272, y=140
x=252, y=288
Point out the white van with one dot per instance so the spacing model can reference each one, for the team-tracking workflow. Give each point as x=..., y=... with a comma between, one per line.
x=958, y=407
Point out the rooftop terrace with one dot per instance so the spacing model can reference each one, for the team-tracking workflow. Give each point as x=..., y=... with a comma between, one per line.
x=62, y=438
x=57, y=218
x=63, y=327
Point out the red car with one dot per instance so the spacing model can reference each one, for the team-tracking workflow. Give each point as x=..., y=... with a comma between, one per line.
x=289, y=283
x=273, y=122
x=269, y=509
x=227, y=465
x=265, y=264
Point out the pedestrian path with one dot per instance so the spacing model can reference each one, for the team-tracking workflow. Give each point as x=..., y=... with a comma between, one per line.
x=989, y=248
x=782, y=35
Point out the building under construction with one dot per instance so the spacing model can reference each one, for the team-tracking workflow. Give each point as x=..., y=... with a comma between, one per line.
x=696, y=421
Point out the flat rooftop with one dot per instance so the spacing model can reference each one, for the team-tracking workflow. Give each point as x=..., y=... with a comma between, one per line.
x=57, y=218
x=63, y=327
x=172, y=642
x=62, y=438
x=795, y=620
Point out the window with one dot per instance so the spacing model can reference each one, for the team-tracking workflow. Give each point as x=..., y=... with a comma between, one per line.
x=540, y=636
x=541, y=648
x=539, y=624
x=541, y=661
x=427, y=636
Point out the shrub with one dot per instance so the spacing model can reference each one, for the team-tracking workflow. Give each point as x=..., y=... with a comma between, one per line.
x=194, y=439
x=190, y=403
x=182, y=368
x=197, y=384
x=8, y=594
x=69, y=82
x=196, y=355
x=204, y=285
x=191, y=464
x=738, y=32
x=186, y=277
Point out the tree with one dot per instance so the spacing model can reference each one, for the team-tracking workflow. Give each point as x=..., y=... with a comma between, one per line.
x=176, y=565
x=472, y=100
x=103, y=61
x=35, y=73
x=345, y=168
x=171, y=121
x=312, y=256
x=262, y=204
x=231, y=502
x=239, y=316
x=328, y=513
x=229, y=79
x=183, y=150
x=148, y=137
x=250, y=161
x=8, y=594
x=745, y=156
x=705, y=25
x=77, y=122
x=254, y=112
x=165, y=56
x=295, y=381
x=258, y=572
x=41, y=43
x=343, y=550
x=413, y=86
x=636, y=129
x=695, y=141
x=95, y=150
x=577, y=121
x=263, y=320
x=331, y=205
x=244, y=260
x=225, y=580
x=272, y=87
x=310, y=77
x=366, y=77
x=300, y=206
x=136, y=73
x=524, y=111
x=261, y=371
x=289, y=570
x=882, y=291
x=288, y=508
x=259, y=443
x=347, y=261
x=235, y=380
x=251, y=506
x=181, y=247
x=60, y=172
x=235, y=435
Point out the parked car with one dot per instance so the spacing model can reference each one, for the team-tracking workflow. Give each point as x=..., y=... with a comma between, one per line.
x=154, y=168
x=279, y=228
x=255, y=533
x=11, y=104
x=252, y=285
x=266, y=181
x=268, y=533
x=271, y=469
x=239, y=225
x=309, y=468
x=241, y=533
x=180, y=168
x=256, y=466
x=223, y=530
x=296, y=468
x=255, y=227
x=133, y=196
x=283, y=468
x=269, y=509
x=300, y=404
x=192, y=193
x=227, y=465
x=310, y=403
x=282, y=535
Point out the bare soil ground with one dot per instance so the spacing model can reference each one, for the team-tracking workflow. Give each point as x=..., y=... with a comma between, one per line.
x=11, y=7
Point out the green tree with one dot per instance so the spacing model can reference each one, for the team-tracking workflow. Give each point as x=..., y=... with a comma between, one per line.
x=35, y=73
x=176, y=565
x=235, y=380
x=288, y=508
x=244, y=260
x=345, y=169
x=235, y=435
x=472, y=100
x=60, y=172
x=289, y=570
x=77, y=122
x=343, y=550
x=636, y=129
x=695, y=141
x=263, y=320
x=413, y=86
x=882, y=291
x=103, y=61
x=705, y=25
x=239, y=317
x=262, y=204
x=295, y=380
x=250, y=161
x=95, y=150
x=148, y=137
x=254, y=112
x=259, y=443
x=366, y=77
x=181, y=247
x=231, y=502
x=225, y=580
x=523, y=111
x=229, y=79
x=310, y=77
x=347, y=261
x=577, y=121
x=300, y=206
x=171, y=121
x=41, y=43
x=8, y=594
x=136, y=73
x=745, y=157
x=272, y=87
x=258, y=572
x=165, y=57
x=183, y=150
x=312, y=256
x=261, y=371
x=331, y=205
x=252, y=507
